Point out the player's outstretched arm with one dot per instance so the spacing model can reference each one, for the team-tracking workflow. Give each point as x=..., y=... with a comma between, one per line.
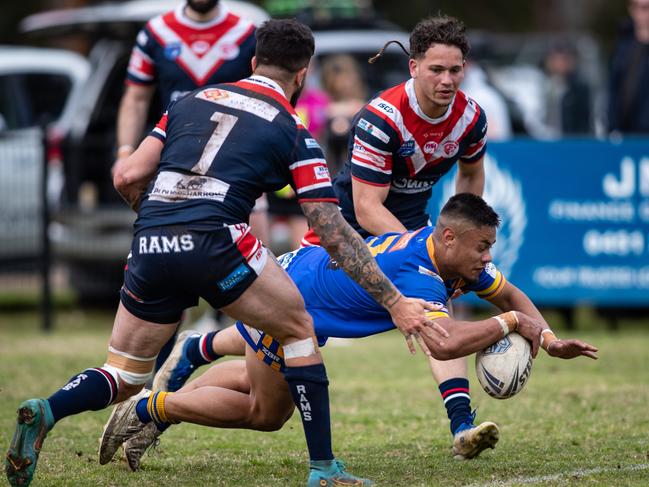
x=513, y=299
x=349, y=250
x=132, y=174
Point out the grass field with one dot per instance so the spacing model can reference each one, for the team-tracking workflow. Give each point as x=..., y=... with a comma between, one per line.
x=576, y=423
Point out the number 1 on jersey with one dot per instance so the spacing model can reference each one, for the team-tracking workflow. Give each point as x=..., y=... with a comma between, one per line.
x=224, y=124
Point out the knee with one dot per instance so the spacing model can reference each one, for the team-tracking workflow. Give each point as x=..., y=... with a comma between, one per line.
x=298, y=325
x=269, y=422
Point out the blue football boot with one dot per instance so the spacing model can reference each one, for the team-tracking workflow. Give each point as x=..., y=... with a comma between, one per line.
x=34, y=421
x=177, y=368
x=330, y=473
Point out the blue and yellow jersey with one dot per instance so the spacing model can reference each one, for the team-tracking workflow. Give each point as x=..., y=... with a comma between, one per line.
x=342, y=308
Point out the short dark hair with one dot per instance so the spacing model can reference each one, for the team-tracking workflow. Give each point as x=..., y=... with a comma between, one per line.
x=472, y=208
x=284, y=43
x=438, y=30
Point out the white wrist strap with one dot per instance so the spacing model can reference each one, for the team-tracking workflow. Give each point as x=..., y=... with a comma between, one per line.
x=503, y=325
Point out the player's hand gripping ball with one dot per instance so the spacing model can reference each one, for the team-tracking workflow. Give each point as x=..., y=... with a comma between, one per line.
x=504, y=367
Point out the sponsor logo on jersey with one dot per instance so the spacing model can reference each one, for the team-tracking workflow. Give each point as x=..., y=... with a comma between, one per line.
x=321, y=172
x=500, y=346
x=428, y=272
x=142, y=38
x=172, y=50
x=407, y=148
x=430, y=146
x=385, y=107
x=450, y=148
x=229, y=51
x=200, y=47
x=407, y=185
x=373, y=130
x=173, y=187
x=235, y=277
x=214, y=94
x=311, y=144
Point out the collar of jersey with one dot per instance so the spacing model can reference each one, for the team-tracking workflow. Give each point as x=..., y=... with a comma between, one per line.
x=266, y=82
x=414, y=105
x=221, y=14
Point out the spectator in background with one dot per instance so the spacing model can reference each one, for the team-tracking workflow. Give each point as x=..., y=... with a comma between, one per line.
x=567, y=96
x=628, y=91
x=343, y=81
x=477, y=86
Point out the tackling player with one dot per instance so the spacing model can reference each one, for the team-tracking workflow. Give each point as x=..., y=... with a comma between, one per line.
x=430, y=263
x=194, y=181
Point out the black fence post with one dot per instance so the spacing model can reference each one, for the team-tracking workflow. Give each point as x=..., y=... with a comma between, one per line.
x=46, y=257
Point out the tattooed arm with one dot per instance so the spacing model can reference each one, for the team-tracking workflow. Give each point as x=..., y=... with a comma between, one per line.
x=349, y=250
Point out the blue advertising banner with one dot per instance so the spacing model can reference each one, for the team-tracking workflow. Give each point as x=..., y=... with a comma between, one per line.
x=575, y=219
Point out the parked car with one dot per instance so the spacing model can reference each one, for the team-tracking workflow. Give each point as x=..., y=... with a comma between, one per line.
x=94, y=227
x=37, y=87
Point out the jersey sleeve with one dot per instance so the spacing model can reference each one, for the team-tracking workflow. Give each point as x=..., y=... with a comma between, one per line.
x=309, y=170
x=141, y=68
x=490, y=283
x=160, y=130
x=425, y=284
x=476, y=139
x=375, y=141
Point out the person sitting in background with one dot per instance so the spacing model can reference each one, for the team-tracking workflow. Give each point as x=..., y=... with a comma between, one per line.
x=343, y=81
x=628, y=90
x=567, y=95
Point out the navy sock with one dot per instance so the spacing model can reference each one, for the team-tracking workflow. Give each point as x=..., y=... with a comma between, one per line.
x=309, y=388
x=91, y=390
x=199, y=349
x=455, y=393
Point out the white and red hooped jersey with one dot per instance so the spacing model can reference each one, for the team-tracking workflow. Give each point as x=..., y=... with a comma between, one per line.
x=393, y=143
x=181, y=54
x=225, y=145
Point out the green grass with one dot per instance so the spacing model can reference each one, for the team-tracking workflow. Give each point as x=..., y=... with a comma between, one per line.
x=576, y=423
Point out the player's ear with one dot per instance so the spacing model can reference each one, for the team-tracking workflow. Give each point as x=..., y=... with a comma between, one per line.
x=253, y=63
x=448, y=237
x=412, y=65
x=301, y=74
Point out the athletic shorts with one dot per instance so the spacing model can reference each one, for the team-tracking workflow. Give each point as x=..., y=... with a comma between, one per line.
x=170, y=267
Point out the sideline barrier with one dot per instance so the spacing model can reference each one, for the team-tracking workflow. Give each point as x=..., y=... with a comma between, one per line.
x=575, y=219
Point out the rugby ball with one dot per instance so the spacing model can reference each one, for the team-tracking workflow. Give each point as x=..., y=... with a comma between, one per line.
x=504, y=367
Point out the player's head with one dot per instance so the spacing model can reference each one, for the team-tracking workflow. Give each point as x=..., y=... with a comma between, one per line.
x=438, y=48
x=202, y=6
x=284, y=49
x=465, y=232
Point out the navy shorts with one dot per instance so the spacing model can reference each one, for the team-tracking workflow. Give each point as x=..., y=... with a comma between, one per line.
x=170, y=267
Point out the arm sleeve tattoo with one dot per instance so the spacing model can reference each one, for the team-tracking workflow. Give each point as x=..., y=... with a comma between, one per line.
x=350, y=252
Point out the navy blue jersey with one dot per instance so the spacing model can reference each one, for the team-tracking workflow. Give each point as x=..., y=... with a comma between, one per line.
x=181, y=55
x=393, y=143
x=225, y=145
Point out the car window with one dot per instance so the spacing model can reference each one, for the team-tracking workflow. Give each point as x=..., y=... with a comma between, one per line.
x=28, y=97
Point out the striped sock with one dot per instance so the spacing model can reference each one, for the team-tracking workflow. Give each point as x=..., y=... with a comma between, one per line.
x=152, y=408
x=457, y=400
x=199, y=349
x=91, y=390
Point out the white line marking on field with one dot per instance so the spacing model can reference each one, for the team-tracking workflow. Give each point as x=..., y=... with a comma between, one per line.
x=557, y=476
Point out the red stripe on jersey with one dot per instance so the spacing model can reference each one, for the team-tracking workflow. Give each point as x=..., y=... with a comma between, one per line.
x=373, y=163
x=371, y=149
x=162, y=124
x=247, y=244
x=370, y=182
x=307, y=175
x=269, y=92
x=318, y=200
x=238, y=42
x=310, y=239
x=139, y=65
